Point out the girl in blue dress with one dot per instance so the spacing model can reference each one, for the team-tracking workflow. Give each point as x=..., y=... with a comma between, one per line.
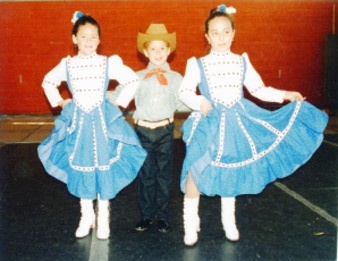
x=233, y=146
x=92, y=148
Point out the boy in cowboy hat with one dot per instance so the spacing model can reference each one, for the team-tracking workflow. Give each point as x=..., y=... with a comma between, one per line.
x=156, y=100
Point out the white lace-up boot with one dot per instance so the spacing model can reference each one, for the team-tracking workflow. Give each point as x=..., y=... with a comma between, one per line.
x=103, y=230
x=229, y=219
x=191, y=220
x=87, y=220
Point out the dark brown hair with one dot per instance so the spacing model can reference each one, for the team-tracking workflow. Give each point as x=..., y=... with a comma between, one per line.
x=216, y=13
x=82, y=21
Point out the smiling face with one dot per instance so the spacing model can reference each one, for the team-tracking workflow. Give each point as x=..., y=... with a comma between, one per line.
x=220, y=34
x=87, y=39
x=157, y=52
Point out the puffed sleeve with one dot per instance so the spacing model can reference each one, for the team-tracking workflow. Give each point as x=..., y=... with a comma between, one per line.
x=126, y=77
x=52, y=80
x=187, y=91
x=254, y=84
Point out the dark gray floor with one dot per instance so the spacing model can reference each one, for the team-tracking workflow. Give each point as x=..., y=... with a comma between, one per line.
x=39, y=217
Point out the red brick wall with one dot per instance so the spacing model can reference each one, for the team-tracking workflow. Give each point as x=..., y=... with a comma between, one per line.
x=281, y=37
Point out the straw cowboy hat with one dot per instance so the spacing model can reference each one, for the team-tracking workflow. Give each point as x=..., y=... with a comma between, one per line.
x=156, y=32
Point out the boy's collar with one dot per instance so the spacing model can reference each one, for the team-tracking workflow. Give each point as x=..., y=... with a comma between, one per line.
x=164, y=66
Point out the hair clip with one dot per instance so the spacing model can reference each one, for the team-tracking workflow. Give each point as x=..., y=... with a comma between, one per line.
x=76, y=16
x=224, y=9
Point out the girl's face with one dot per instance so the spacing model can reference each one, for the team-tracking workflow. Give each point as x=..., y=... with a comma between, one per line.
x=157, y=52
x=87, y=39
x=220, y=34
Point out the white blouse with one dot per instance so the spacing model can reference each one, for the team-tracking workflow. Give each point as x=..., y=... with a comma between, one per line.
x=224, y=74
x=87, y=75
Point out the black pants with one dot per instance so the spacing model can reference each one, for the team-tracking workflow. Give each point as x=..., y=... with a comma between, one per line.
x=155, y=176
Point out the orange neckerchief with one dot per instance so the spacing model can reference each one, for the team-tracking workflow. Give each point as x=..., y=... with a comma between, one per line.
x=159, y=74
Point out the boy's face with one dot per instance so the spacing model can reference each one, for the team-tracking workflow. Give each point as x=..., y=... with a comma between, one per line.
x=157, y=52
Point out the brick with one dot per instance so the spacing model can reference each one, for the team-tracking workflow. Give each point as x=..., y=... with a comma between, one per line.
x=286, y=35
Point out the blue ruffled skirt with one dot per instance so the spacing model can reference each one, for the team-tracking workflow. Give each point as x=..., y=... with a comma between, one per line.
x=95, y=152
x=239, y=150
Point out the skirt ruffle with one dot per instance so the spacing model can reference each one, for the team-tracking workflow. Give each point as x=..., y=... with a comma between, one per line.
x=258, y=146
x=104, y=164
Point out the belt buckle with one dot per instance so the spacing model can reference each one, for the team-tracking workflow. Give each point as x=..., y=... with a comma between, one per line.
x=153, y=125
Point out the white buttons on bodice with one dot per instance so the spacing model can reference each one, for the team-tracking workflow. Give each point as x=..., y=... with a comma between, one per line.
x=87, y=81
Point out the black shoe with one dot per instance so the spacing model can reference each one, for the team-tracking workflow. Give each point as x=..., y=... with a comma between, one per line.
x=163, y=226
x=143, y=224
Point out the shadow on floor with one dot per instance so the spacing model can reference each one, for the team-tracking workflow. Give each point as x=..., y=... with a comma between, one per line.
x=39, y=218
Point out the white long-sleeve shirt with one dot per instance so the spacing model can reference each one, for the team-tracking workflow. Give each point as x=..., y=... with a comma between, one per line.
x=225, y=73
x=87, y=75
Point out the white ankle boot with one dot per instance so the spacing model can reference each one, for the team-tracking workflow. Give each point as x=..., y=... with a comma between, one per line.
x=87, y=220
x=191, y=220
x=103, y=230
x=229, y=219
